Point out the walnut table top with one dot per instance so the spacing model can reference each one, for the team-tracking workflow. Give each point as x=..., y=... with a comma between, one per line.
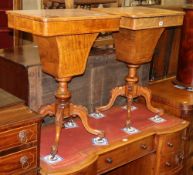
x=137, y=18
x=62, y=22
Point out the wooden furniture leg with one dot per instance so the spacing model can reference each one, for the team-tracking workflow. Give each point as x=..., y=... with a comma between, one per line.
x=62, y=108
x=134, y=47
x=130, y=91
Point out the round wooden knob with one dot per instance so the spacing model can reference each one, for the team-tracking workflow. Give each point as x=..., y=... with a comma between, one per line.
x=170, y=144
x=22, y=136
x=109, y=160
x=143, y=146
x=168, y=164
x=24, y=162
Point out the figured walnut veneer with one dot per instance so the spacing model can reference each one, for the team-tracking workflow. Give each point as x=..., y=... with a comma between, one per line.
x=61, y=62
x=64, y=38
x=62, y=22
x=138, y=18
x=140, y=29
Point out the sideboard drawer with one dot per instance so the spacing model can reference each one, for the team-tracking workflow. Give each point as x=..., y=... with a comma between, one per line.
x=19, y=162
x=125, y=154
x=172, y=161
x=173, y=142
x=18, y=136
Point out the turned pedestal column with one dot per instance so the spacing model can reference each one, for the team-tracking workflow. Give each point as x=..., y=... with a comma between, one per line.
x=140, y=29
x=64, y=39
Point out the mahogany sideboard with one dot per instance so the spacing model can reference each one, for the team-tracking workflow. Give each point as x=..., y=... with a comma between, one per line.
x=157, y=149
x=177, y=102
x=19, y=137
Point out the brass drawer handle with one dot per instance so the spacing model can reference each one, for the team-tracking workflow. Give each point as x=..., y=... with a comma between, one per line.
x=23, y=136
x=109, y=160
x=24, y=162
x=180, y=158
x=168, y=164
x=170, y=145
x=143, y=146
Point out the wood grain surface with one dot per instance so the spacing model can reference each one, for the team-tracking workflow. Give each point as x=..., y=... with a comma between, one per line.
x=136, y=18
x=62, y=22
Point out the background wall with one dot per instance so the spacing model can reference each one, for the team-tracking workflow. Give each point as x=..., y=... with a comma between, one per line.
x=36, y=4
x=31, y=4
x=172, y=2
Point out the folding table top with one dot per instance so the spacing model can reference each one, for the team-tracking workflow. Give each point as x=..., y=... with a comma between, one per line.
x=137, y=18
x=54, y=22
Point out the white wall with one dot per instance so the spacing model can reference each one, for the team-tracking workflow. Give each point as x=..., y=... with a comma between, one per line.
x=172, y=2
x=31, y=4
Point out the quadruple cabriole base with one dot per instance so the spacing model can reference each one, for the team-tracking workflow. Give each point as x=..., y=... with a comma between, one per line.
x=134, y=47
x=64, y=57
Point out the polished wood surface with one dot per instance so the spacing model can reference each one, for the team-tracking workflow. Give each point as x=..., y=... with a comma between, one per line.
x=177, y=102
x=162, y=144
x=7, y=99
x=19, y=138
x=68, y=21
x=137, y=167
x=137, y=18
x=132, y=40
x=26, y=84
x=182, y=99
x=165, y=58
x=140, y=29
x=185, y=62
x=62, y=63
x=64, y=38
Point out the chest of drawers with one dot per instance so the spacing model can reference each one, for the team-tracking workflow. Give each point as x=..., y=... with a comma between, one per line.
x=19, y=140
x=171, y=153
x=177, y=102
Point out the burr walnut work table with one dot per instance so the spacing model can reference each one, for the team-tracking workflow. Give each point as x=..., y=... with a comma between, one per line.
x=140, y=29
x=64, y=39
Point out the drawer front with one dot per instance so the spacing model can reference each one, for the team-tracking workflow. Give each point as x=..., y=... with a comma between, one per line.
x=173, y=142
x=19, y=162
x=18, y=136
x=124, y=154
x=3, y=19
x=6, y=39
x=171, y=162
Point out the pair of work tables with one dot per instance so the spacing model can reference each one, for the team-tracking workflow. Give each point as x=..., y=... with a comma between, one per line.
x=65, y=37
